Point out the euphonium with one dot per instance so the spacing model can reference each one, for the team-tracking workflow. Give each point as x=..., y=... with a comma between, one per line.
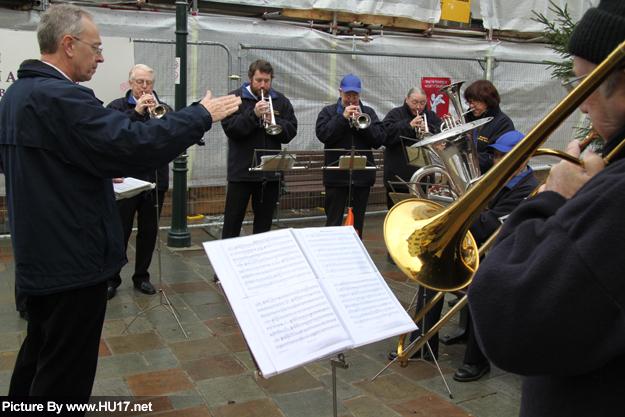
x=433, y=245
x=457, y=157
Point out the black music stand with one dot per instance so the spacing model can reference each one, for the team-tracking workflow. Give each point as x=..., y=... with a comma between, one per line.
x=169, y=307
x=352, y=161
x=280, y=162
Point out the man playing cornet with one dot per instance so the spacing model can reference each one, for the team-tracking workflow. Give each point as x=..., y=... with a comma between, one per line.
x=137, y=104
x=248, y=130
x=342, y=126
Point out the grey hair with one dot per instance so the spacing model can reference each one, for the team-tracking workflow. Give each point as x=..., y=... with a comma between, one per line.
x=415, y=90
x=608, y=88
x=58, y=21
x=131, y=74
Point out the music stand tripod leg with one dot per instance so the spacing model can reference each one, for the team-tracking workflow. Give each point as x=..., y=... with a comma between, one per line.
x=169, y=307
x=340, y=361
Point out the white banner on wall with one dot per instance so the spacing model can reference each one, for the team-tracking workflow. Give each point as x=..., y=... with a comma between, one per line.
x=109, y=82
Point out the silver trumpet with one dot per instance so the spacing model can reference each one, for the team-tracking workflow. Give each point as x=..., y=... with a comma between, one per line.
x=425, y=133
x=270, y=127
x=362, y=121
x=157, y=111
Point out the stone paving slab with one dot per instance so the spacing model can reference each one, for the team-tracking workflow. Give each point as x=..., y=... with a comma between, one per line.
x=211, y=373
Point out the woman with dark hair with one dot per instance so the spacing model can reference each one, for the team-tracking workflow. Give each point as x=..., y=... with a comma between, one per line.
x=483, y=98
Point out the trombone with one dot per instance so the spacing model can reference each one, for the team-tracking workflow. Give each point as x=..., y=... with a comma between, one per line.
x=433, y=245
x=270, y=127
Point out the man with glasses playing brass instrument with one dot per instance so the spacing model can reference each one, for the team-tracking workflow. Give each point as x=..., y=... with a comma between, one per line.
x=408, y=120
x=548, y=302
x=246, y=133
x=337, y=128
x=137, y=105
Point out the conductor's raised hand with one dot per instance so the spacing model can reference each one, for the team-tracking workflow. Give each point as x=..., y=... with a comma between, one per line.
x=220, y=107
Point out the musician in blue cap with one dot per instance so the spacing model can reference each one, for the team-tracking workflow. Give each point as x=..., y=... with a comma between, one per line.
x=337, y=129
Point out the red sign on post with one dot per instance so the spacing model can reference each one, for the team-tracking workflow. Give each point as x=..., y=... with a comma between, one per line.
x=437, y=102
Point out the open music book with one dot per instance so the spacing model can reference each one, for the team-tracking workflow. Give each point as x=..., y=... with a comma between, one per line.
x=301, y=295
x=130, y=187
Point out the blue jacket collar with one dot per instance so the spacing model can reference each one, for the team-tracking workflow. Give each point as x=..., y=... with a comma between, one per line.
x=515, y=180
x=245, y=93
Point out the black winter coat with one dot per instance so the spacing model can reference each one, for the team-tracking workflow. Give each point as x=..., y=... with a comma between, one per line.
x=128, y=108
x=548, y=302
x=506, y=200
x=489, y=134
x=334, y=131
x=397, y=123
x=59, y=150
x=245, y=134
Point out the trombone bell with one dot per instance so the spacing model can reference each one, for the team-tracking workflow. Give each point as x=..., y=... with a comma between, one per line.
x=417, y=233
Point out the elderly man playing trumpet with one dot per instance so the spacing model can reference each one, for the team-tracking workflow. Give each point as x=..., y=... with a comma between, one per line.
x=138, y=104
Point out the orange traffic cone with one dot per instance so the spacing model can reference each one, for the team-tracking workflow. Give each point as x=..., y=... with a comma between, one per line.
x=350, y=218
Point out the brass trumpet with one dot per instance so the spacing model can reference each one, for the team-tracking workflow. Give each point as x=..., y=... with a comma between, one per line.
x=270, y=127
x=362, y=121
x=157, y=111
x=433, y=245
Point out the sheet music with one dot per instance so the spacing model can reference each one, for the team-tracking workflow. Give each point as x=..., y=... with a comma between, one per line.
x=300, y=325
x=368, y=307
x=130, y=187
x=335, y=251
x=266, y=262
x=302, y=295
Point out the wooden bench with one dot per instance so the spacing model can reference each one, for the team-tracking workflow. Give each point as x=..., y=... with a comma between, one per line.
x=305, y=187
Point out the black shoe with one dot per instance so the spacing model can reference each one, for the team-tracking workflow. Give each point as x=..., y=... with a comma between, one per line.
x=146, y=288
x=469, y=372
x=215, y=278
x=416, y=355
x=24, y=314
x=389, y=259
x=110, y=292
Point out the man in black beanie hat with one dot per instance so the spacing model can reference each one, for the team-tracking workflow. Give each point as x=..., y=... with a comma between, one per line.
x=548, y=302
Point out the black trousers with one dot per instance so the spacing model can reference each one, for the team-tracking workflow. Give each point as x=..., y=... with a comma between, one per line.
x=431, y=318
x=264, y=198
x=59, y=356
x=147, y=231
x=473, y=355
x=336, y=201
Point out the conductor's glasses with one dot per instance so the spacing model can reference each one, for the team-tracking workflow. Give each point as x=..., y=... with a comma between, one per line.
x=96, y=49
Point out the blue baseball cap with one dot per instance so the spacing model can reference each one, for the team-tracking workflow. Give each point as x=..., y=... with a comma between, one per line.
x=350, y=83
x=507, y=141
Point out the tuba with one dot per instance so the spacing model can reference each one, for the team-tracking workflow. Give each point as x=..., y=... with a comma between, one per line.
x=456, y=156
x=433, y=245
